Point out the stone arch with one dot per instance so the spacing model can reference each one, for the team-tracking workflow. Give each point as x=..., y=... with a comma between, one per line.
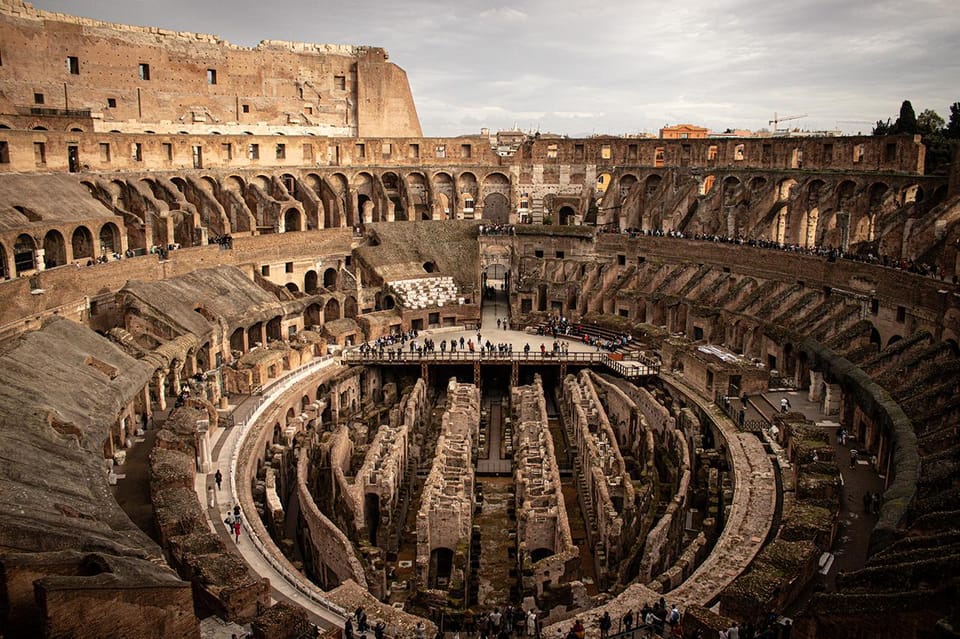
x=3, y=262
x=274, y=328
x=292, y=220
x=255, y=335
x=496, y=208
x=758, y=183
x=334, y=196
x=418, y=195
x=82, y=242
x=566, y=215
x=445, y=190
x=310, y=282
x=261, y=181
x=469, y=191
x=350, y=308
x=331, y=279
x=180, y=183
x=809, y=214
x=109, y=237
x=54, y=249
x=313, y=315
x=648, y=219
x=893, y=340
x=331, y=310
x=236, y=340
x=24, y=253
x=292, y=287
x=362, y=184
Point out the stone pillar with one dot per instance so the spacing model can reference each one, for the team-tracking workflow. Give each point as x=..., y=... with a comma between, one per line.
x=204, y=460
x=263, y=333
x=161, y=391
x=815, y=392
x=390, y=211
x=38, y=257
x=832, y=399
x=9, y=266
x=176, y=378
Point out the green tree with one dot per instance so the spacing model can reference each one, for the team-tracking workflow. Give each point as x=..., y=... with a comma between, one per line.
x=929, y=122
x=882, y=128
x=907, y=122
x=952, y=131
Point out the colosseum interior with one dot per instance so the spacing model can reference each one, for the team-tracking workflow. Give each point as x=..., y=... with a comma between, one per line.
x=438, y=380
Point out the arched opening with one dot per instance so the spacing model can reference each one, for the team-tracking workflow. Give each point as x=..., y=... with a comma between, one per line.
x=310, y=282
x=109, y=239
x=273, y=329
x=429, y=267
x=496, y=209
x=371, y=514
x=566, y=215
x=350, y=307
x=236, y=340
x=893, y=340
x=389, y=302
x=54, y=249
x=441, y=567
x=3, y=263
x=331, y=311
x=540, y=553
x=330, y=279
x=311, y=317
x=82, y=242
x=291, y=221
x=23, y=254
x=542, y=297
x=254, y=335
x=293, y=288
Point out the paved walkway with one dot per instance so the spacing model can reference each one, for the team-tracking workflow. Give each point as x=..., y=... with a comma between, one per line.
x=856, y=522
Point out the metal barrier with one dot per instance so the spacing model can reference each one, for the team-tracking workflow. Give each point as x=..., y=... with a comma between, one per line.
x=269, y=396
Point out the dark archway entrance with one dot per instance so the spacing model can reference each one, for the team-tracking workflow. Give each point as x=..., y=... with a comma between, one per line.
x=496, y=209
x=441, y=567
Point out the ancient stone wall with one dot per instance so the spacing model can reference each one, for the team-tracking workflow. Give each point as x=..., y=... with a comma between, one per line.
x=446, y=509
x=547, y=552
x=221, y=581
x=384, y=471
x=333, y=558
x=609, y=497
x=116, y=75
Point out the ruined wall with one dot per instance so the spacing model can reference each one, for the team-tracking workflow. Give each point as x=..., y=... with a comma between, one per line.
x=221, y=580
x=542, y=523
x=663, y=543
x=609, y=498
x=445, y=518
x=333, y=557
x=384, y=470
x=153, y=76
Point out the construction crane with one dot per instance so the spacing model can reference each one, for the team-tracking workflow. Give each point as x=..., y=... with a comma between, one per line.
x=777, y=119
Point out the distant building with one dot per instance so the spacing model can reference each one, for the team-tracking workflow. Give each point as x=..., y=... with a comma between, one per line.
x=683, y=132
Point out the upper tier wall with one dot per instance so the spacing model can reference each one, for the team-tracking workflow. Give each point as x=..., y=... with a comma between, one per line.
x=122, y=74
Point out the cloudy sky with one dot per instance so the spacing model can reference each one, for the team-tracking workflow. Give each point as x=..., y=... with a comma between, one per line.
x=618, y=66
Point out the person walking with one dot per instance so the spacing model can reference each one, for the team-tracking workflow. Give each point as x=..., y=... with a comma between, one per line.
x=218, y=477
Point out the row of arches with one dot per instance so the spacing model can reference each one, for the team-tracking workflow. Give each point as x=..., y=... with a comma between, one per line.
x=812, y=212
x=29, y=253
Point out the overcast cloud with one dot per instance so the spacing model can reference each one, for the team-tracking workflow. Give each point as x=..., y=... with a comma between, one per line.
x=619, y=66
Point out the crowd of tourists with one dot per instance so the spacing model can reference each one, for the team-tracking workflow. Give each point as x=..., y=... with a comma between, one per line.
x=903, y=264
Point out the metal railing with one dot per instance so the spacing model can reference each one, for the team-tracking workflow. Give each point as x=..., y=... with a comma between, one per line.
x=414, y=357
x=270, y=394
